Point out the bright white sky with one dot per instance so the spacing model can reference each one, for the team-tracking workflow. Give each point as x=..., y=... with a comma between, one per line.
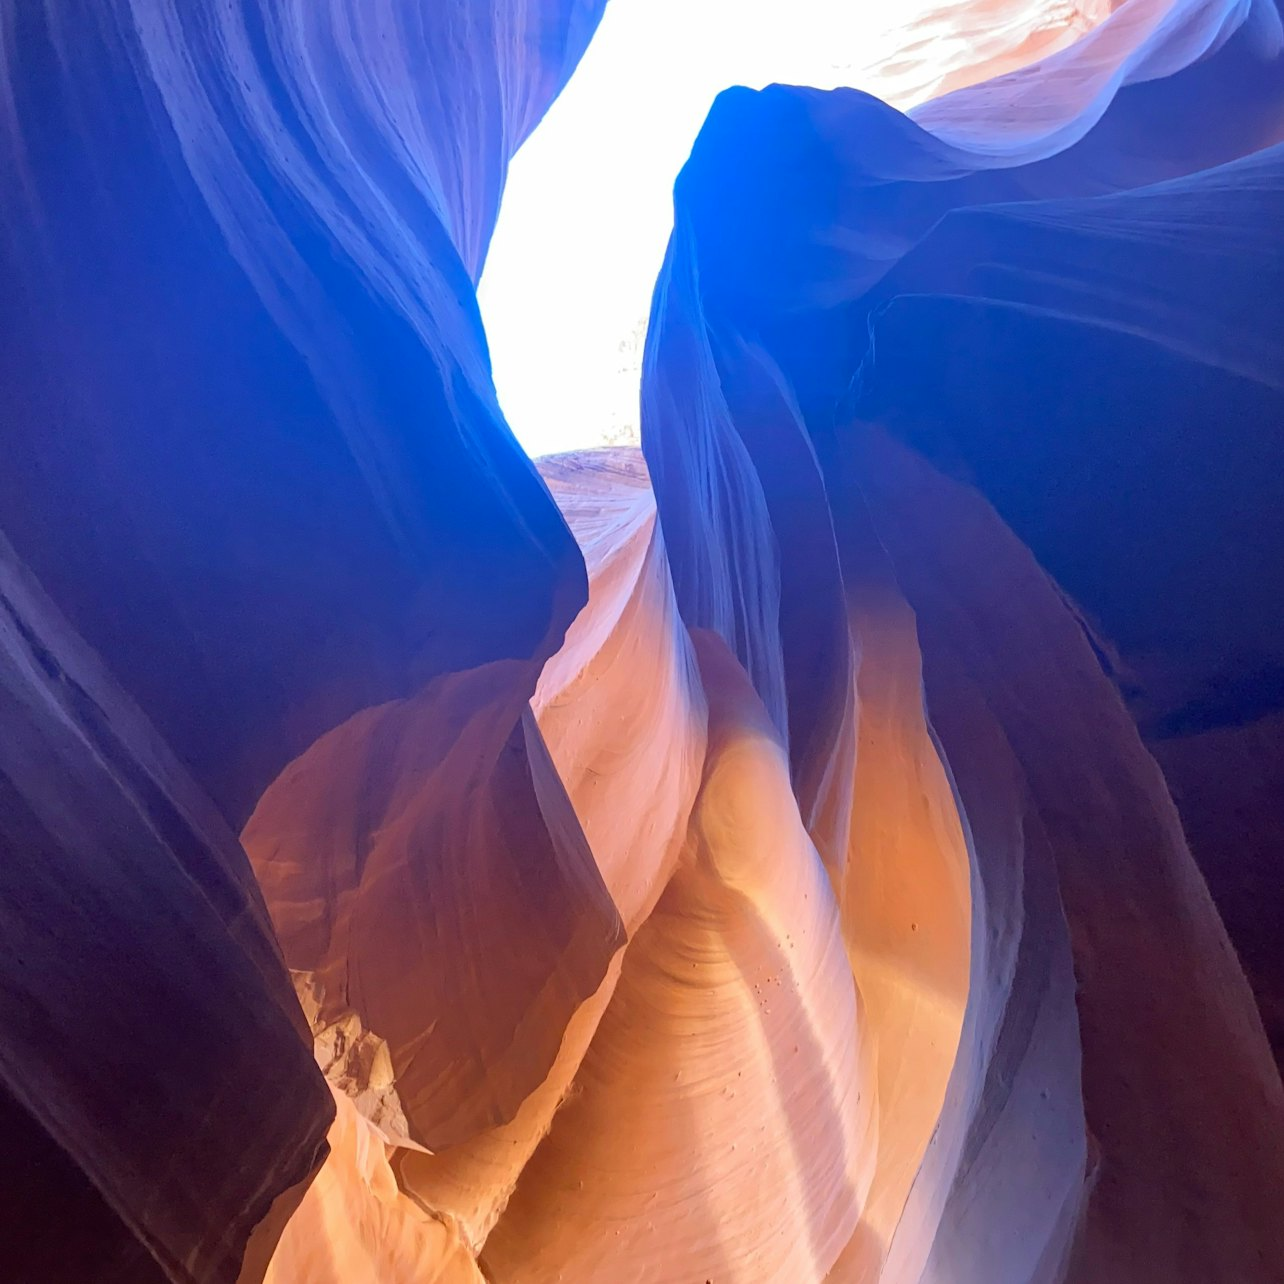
x=588, y=206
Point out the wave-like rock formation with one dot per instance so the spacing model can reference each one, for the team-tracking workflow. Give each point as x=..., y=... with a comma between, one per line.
x=783, y=854
x=254, y=463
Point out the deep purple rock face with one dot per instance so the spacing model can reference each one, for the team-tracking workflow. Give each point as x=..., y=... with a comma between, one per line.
x=253, y=459
x=254, y=449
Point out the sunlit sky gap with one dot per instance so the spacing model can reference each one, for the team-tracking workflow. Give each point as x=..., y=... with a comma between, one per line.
x=588, y=206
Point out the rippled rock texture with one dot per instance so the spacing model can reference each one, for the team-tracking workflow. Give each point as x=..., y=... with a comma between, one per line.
x=764, y=857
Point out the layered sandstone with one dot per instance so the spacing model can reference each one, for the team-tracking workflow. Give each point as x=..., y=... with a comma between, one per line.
x=763, y=857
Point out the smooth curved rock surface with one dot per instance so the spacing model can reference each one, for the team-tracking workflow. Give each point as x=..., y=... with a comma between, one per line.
x=250, y=440
x=143, y=991
x=264, y=519
x=742, y=860
x=355, y=1224
x=937, y=273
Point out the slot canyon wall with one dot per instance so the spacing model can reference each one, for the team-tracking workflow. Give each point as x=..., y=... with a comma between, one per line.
x=839, y=842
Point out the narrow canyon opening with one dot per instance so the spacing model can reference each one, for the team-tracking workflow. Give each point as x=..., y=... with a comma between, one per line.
x=642, y=642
